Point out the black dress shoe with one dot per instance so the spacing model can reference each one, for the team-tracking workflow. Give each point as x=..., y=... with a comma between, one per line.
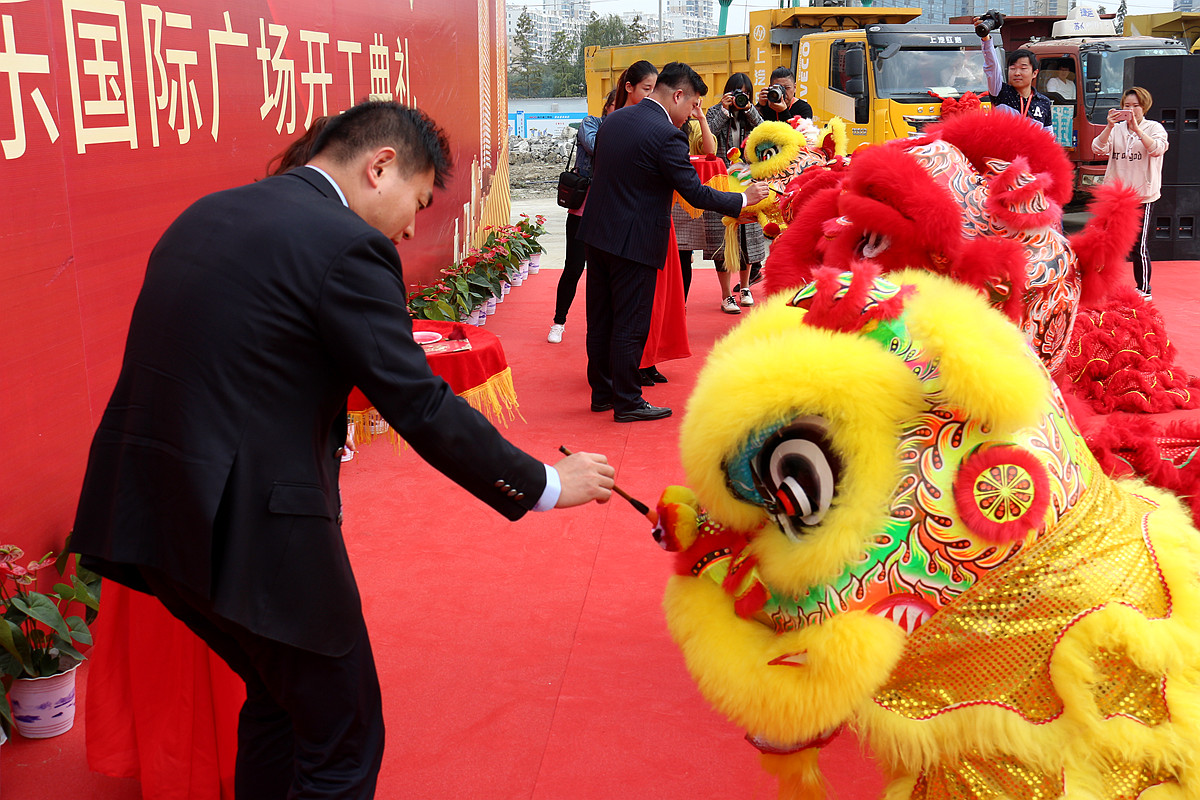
x=655, y=375
x=756, y=274
x=645, y=378
x=602, y=406
x=642, y=413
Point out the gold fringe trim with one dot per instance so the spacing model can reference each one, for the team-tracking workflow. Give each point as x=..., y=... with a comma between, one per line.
x=733, y=247
x=496, y=399
x=497, y=200
x=720, y=183
x=370, y=425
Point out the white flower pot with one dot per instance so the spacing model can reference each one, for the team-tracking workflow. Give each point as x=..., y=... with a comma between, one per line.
x=505, y=288
x=525, y=269
x=476, y=315
x=490, y=308
x=535, y=263
x=44, y=707
x=482, y=316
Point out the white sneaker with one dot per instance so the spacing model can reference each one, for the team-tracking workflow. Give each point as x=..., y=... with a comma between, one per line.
x=747, y=299
x=729, y=305
x=555, y=335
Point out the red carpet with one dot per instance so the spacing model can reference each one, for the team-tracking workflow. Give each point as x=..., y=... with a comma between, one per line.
x=530, y=659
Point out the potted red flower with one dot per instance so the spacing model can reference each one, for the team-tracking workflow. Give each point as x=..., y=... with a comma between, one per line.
x=38, y=654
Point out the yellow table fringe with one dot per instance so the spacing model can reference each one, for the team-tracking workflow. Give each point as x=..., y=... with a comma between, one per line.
x=495, y=398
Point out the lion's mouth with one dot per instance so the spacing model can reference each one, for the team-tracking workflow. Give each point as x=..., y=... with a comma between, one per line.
x=873, y=244
x=906, y=610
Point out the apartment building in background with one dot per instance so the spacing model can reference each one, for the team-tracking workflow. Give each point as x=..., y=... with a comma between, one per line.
x=681, y=19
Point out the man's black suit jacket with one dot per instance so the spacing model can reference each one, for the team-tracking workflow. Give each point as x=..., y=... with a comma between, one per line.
x=641, y=158
x=216, y=461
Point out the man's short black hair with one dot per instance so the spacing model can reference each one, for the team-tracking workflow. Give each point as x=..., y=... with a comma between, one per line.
x=1015, y=55
x=781, y=72
x=678, y=75
x=419, y=143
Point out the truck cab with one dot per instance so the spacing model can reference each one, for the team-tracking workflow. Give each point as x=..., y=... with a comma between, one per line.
x=870, y=66
x=877, y=77
x=909, y=69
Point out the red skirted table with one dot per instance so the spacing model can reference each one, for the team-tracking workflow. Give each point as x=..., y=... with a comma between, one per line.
x=161, y=707
x=468, y=358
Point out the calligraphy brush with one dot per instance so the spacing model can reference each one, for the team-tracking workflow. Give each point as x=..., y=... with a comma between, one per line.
x=642, y=508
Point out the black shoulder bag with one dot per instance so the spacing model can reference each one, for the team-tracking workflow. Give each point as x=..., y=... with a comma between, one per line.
x=572, y=187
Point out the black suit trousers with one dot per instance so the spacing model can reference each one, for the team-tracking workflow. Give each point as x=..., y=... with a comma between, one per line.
x=620, y=300
x=312, y=725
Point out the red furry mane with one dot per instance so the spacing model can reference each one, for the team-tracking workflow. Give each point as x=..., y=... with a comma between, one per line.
x=982, y=136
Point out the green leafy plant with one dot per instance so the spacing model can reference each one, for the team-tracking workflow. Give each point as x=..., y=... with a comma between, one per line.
x=532, y=231
x=37, y=639
x=432, y=302
x=469, y=284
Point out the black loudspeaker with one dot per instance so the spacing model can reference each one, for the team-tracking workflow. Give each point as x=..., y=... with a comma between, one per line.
x=1173, y=234
x=1172, y=82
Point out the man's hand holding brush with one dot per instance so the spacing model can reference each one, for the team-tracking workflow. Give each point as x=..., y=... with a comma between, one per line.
x=584, y=477
x=648, y=513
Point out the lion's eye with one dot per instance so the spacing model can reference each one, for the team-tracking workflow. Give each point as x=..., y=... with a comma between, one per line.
x=767, y=151
x=797, y=472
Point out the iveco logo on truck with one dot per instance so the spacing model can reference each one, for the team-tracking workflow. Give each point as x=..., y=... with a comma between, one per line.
x=802, y=70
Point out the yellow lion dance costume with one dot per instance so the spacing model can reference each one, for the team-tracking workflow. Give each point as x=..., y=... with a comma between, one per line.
x=774, y=152
x=901, y=530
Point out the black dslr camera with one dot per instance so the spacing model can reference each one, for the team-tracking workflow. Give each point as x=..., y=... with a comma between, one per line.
x=775, y=93
x=741, y=100
x=991, y=21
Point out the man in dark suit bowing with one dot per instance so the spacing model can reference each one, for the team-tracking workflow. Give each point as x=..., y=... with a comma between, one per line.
x=641, y=158
x=212, y=479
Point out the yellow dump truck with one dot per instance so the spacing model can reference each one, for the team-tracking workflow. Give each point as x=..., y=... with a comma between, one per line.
x=1181, y=25
x=873, y=67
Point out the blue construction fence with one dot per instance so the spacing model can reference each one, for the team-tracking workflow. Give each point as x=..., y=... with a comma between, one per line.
x=523, y=124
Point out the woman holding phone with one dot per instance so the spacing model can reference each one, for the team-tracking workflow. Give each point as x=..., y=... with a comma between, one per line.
x=1135, y=146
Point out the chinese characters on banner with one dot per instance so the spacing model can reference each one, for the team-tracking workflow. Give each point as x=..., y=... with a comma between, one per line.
x=115, y=115
x=110, y=45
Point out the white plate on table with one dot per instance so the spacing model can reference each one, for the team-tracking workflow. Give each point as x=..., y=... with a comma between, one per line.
x=426, y=337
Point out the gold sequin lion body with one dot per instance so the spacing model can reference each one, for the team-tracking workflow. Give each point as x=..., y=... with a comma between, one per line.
x=892, y=523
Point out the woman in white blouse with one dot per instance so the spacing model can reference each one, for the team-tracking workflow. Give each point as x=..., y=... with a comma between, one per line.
x=1135, y=146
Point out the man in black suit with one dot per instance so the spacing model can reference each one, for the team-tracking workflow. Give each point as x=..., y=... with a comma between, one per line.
x=641, y=159
x=212, y=479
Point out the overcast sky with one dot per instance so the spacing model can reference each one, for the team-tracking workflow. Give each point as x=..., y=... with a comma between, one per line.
x=739, y=9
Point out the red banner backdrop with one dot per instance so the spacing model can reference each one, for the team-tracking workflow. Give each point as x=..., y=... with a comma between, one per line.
x=119, y=114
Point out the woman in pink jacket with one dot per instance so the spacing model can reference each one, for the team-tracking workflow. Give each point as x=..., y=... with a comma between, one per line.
x=1135, y=146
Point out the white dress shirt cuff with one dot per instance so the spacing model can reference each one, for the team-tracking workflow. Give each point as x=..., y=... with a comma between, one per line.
x=552, y=491
x=743, y=199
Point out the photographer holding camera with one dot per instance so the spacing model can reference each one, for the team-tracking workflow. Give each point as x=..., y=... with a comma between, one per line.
x=731, y=121
x=1018, y=95
x=778, y=101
